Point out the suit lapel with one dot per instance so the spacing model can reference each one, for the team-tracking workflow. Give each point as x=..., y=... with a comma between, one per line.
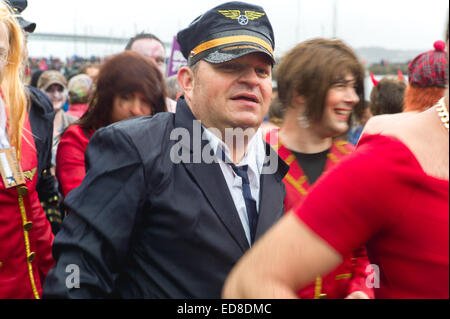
x=272, y=192
x=209, y=178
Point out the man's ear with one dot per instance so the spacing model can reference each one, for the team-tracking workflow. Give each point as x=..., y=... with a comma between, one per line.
x=186, y=79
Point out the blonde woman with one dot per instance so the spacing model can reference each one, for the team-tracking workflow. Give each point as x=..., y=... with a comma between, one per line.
x=25, y=234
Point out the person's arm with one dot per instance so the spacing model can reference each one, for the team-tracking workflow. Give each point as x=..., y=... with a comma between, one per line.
x=340, y=214
x=96, y=236
x=278, y=265
x=70, y=162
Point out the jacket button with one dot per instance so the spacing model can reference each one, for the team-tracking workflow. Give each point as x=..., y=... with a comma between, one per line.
x=31, y=256
x=28, y=226
x=1, y=264
x=22, y=190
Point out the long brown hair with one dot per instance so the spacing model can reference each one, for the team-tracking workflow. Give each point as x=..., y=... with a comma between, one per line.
x=311, y=68
x=122, y=75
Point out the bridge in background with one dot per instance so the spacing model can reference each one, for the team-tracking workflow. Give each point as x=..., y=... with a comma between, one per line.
x=56, y=37
x=87, y=40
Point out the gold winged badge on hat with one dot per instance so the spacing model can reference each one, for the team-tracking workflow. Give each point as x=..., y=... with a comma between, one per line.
x=242, y=18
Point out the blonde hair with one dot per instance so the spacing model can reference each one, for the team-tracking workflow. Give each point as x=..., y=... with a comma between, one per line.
x=11, y=83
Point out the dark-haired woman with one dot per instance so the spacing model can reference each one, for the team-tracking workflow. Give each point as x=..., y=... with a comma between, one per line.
x=128, y=85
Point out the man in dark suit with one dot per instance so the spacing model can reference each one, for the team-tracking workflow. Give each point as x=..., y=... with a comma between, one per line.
x=169, y=204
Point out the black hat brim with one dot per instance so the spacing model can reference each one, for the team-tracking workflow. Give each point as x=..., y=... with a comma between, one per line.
x=227, y=53
x=26, y=25
x=224, y=55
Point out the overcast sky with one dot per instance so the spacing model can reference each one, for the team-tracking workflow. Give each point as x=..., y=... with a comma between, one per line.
x=393, y=24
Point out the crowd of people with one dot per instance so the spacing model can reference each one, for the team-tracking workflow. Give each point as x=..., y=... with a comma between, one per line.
x=69, y=67
x=221, y=181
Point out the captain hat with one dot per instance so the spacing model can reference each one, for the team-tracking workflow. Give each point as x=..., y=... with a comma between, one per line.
x=226, y=32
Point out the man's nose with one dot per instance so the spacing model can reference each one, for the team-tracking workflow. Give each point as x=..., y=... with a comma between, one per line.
x=249, y=76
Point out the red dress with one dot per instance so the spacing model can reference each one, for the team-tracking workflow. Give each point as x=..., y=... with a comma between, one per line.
x=70, y=169
x=25, y=234
x=380, y=196
x=351, y=275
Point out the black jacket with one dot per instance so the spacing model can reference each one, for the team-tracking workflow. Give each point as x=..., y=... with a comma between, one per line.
x=142, y=226
x=41, y=116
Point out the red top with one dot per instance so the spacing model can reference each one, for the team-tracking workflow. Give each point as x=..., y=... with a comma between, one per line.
x=70, y=169
x=77, y=110
x=380, y=196
x=351, y=275
x=25, y=234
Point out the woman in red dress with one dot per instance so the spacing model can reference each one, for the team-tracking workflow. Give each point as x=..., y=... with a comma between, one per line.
x=391, y=194
x=128, y=85
x=25, y=234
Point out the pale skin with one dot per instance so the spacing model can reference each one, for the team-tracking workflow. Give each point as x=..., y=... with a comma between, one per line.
x=276, y=267
x=235, y=94
x=152, y=49
x=58, y=97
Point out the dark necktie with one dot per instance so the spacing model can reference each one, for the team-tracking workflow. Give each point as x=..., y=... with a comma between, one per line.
x=250, y=203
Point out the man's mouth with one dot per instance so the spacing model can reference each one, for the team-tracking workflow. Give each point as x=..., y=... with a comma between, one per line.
x=246, y=97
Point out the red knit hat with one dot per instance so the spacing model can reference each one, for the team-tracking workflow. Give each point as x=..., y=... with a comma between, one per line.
x=428, y=69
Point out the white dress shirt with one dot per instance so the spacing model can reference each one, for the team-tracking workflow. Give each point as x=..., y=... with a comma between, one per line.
x=254, y=157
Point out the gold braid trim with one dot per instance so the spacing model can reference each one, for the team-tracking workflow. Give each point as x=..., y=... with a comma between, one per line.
x=27, y=247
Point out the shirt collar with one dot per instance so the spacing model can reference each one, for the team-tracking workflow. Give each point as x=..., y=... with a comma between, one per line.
x=254, y=155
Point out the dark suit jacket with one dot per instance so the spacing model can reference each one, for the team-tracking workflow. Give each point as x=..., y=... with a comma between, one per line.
x=41, y=116
x=141, y=226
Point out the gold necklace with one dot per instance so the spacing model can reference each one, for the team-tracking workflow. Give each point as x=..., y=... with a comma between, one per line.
x=443, y=113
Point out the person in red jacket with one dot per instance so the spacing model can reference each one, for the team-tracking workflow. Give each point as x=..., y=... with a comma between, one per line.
x=25, y=234
x=320, y=82
x=128, y=85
